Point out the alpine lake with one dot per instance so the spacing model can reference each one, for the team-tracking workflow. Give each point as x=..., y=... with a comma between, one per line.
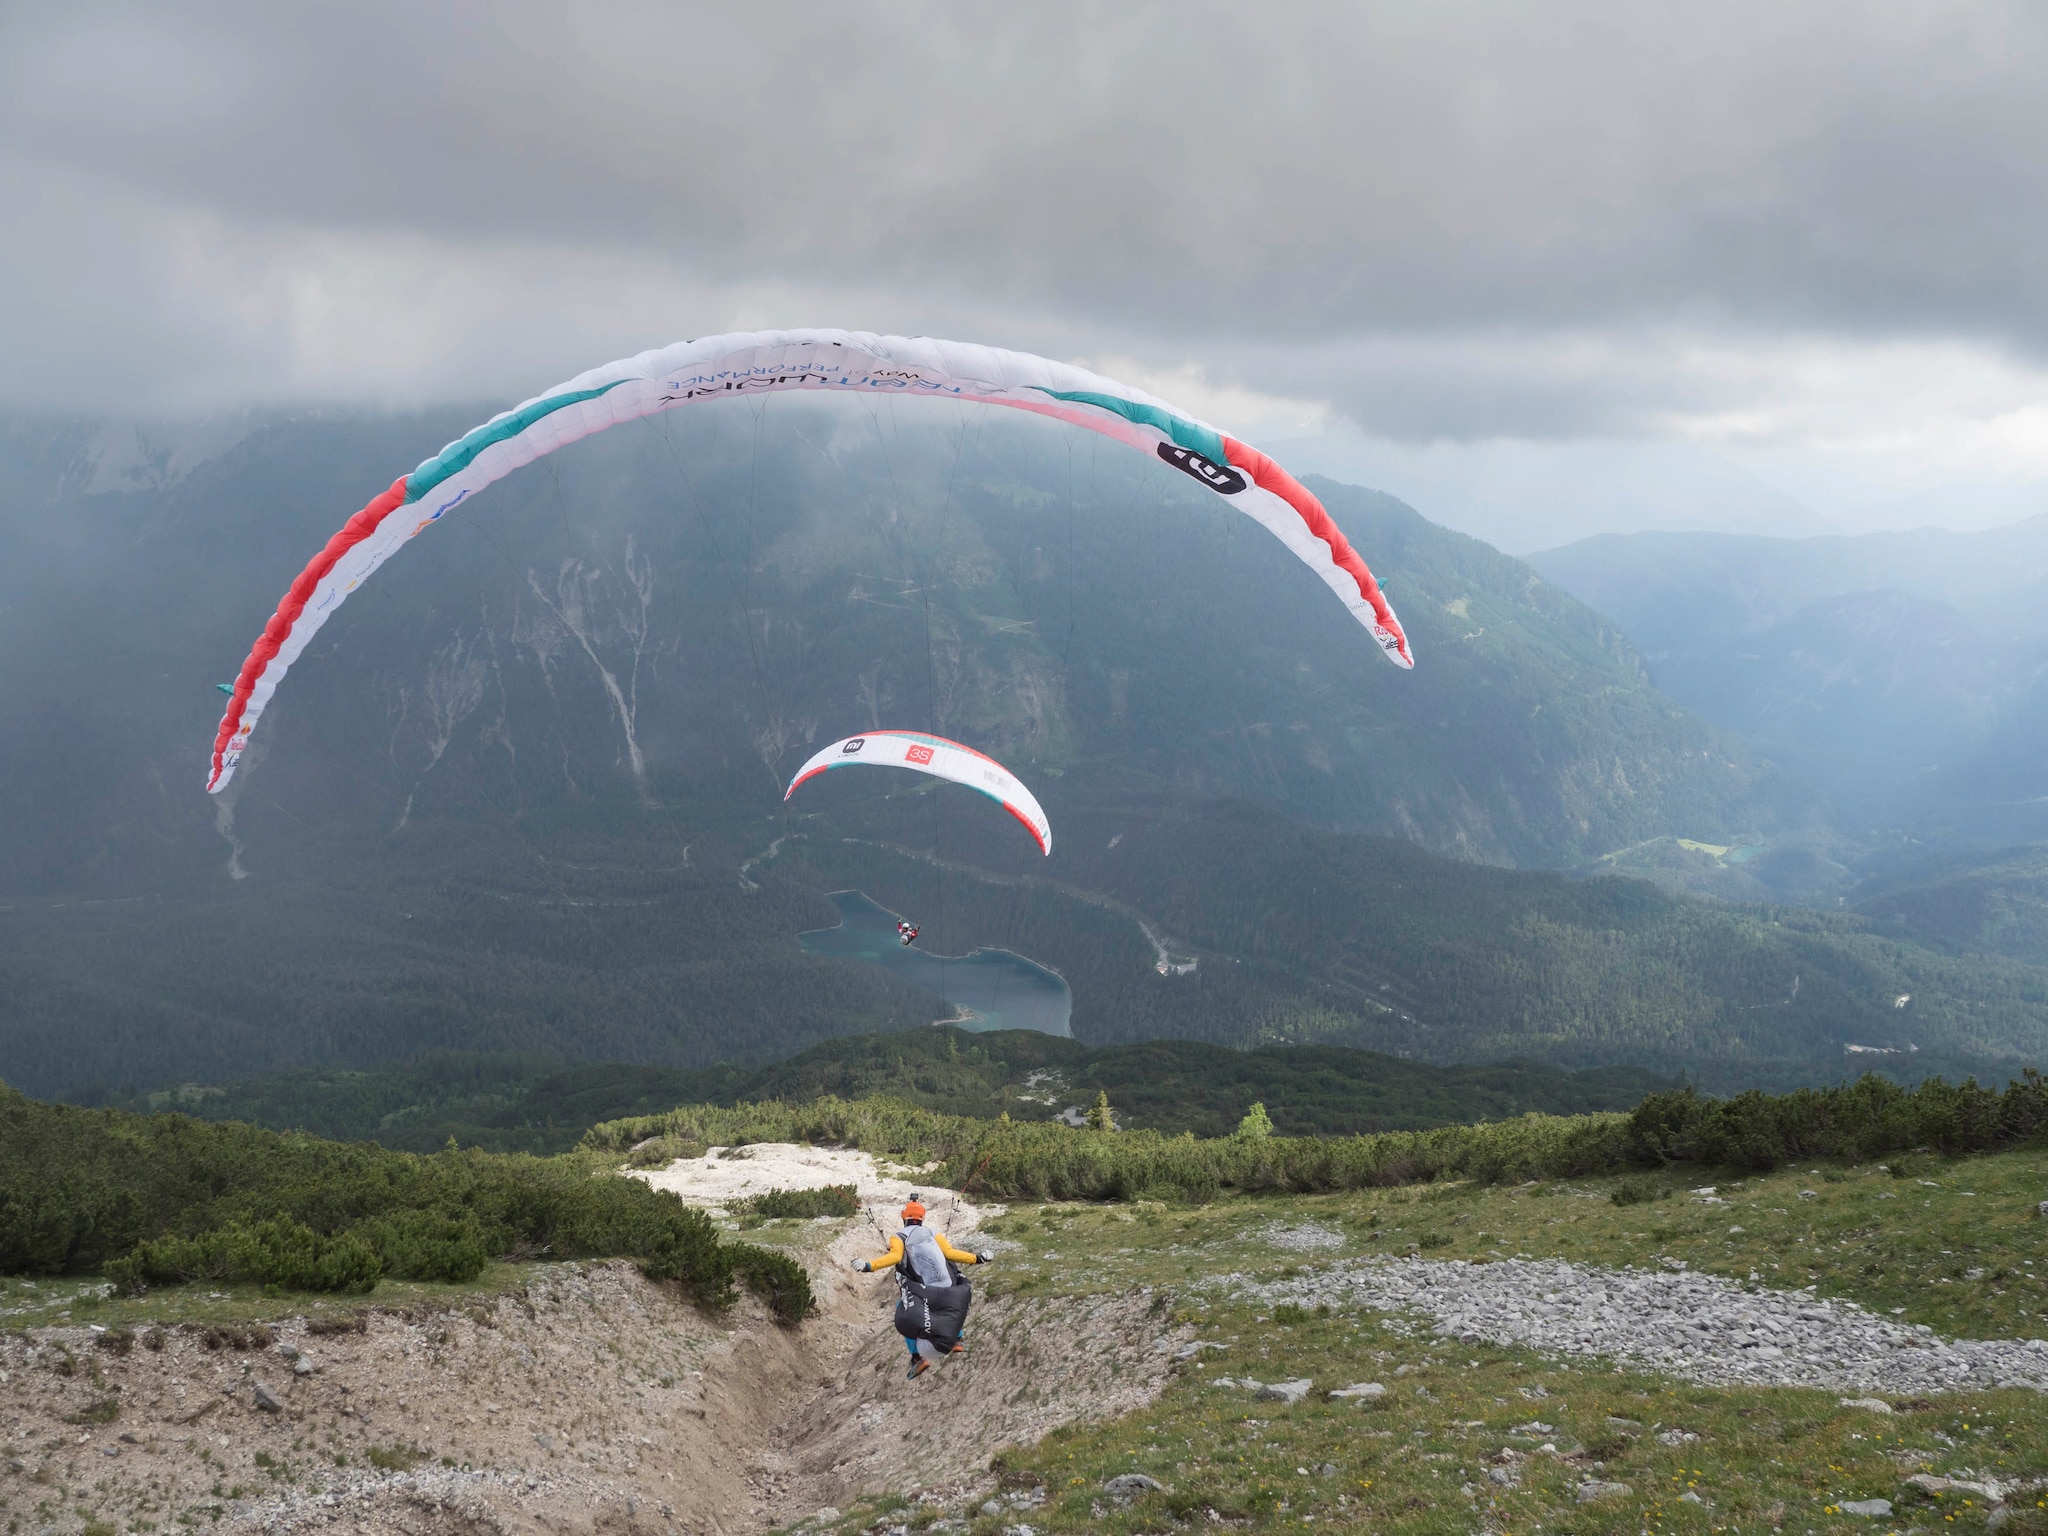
x=992, y=988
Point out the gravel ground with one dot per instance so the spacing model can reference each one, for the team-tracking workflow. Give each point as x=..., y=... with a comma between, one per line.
x=1304, y=1237
x=434, y=1501
x=1674, y=1320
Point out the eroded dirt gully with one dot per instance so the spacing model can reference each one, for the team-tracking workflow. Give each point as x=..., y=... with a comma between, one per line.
x=588, y=1401
x=863, y=1426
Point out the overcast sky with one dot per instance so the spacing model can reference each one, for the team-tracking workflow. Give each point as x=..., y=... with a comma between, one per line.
x=1542, y=268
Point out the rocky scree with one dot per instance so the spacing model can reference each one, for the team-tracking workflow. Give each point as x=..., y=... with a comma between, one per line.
x=1695, y=1326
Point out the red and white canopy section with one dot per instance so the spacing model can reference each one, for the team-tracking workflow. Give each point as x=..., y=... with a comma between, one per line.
x=767, y=362
x=940, y=758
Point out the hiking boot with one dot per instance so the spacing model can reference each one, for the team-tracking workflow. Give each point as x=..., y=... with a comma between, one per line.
x=918, y=1367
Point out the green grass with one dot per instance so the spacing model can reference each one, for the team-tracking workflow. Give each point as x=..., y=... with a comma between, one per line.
x=45, y=1303
x=1765, y=1458
x=1889, y=1243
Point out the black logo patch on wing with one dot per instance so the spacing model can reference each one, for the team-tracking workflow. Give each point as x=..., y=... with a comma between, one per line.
x=1218, y=477
x=848, y=748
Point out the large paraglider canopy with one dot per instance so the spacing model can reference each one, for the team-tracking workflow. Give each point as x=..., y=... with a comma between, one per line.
x=940, y=758
x=766, y=362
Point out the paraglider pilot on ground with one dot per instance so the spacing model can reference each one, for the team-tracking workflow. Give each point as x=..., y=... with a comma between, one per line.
x=932, y=1296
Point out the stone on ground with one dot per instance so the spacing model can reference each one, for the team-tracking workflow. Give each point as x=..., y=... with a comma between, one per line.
x=1285, y=1391
x=1589, y=1491
x=1126, y=1486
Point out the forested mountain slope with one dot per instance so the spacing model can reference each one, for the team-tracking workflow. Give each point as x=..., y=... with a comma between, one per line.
x=1308, y=934
x=512, y=1103
x=613, y=948
x=601, y=947
x=677, y=611
x=1972, y=902
x=524, y=793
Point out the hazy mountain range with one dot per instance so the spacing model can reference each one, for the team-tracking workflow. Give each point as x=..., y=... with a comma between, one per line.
x=1903, y=675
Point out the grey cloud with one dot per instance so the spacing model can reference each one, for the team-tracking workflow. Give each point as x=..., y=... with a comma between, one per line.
x=1180, y=180
x=1463, y=386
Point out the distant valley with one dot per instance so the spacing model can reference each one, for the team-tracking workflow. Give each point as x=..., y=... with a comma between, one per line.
x=1902, y=675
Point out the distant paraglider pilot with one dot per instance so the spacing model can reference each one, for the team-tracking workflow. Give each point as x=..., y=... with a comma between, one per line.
x=932, y=1296
x=906, y=931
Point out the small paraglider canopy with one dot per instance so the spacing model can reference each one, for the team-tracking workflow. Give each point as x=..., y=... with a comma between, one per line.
x=942, y=759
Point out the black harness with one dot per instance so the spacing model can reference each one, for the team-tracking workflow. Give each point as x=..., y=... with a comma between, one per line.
x=934, y=1312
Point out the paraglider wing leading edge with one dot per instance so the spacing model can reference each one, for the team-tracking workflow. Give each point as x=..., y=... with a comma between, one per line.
x=759, y=362
x=940, y=758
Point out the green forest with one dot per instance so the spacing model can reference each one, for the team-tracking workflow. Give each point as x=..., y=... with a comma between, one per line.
x=166, y=1200
x=608, y=948
x=590, y=945
x=517, y=1103
x=1972, y=902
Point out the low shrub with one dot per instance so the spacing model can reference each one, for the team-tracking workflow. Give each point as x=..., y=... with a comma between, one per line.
x=832, y=1200
x=777, y=1279
x=428, y=1245
x=162, y=1199
x=660, y=1151
x=100, y=1410
x=1867, y=1119
x=1045, y=1160
x=279, y=1253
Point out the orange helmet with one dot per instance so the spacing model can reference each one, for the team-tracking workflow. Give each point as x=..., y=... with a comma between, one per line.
x=913, y=1212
